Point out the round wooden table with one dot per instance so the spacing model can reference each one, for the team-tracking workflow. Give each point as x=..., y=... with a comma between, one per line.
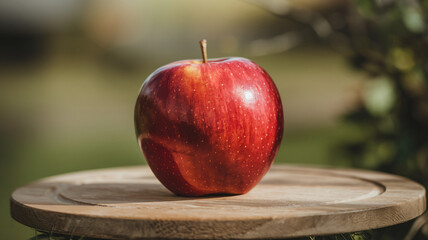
x=290, y=201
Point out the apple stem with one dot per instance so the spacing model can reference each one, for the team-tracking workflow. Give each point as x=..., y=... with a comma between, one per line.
x=203, y=43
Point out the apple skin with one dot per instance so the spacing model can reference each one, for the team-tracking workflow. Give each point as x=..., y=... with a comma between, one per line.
x=209, y=128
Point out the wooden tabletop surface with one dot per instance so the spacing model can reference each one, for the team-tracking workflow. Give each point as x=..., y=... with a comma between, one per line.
x=290, y=201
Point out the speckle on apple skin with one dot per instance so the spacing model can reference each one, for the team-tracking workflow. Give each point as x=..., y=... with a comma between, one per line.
x=223, y=133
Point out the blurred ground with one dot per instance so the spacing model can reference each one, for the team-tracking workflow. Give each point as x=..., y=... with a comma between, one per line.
x=66, y=102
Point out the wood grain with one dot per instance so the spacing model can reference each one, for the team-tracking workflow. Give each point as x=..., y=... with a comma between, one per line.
x=290, y=201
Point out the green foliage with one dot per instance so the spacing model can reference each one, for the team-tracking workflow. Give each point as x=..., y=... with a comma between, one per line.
x=391, y=46
x=367, y=235
x=55, y=236
x=389, y=41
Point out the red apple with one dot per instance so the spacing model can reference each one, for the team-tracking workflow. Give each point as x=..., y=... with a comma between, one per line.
x=209, y=126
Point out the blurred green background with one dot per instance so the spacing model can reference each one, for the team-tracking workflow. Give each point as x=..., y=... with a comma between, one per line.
x=70, y=72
